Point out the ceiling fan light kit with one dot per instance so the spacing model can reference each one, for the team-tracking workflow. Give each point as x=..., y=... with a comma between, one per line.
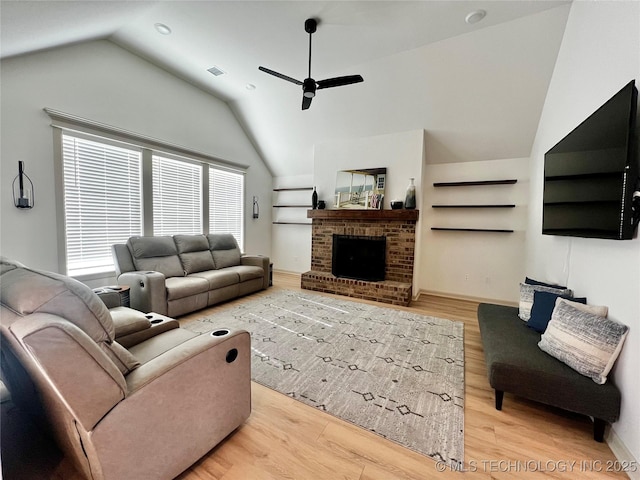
x=309, y=85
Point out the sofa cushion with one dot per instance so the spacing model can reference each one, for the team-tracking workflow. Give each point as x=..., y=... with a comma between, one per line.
x=587, y=343
x=218, y=278
x=194, y=253
x=191, y=243
x=543, y=305
x=224, y=249
x=194, y=262
x=180, y=287
x=247, y=272
x=526, y=297
x=158, y=254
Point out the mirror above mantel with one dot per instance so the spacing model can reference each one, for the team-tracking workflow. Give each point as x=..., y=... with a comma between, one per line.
x=360, y=189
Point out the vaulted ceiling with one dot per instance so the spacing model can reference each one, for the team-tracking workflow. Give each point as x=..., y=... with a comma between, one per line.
x=477, y=89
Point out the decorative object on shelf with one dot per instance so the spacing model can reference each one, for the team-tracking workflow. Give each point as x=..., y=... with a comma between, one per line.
x=314, y=199
x=23, y=196
x=256, y=207
x=410, y=199
x=357, y=189
x=396, y=204
x=376, y=201
x=321, y=205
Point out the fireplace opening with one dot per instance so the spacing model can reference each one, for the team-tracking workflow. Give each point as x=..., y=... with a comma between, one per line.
x=359, y=257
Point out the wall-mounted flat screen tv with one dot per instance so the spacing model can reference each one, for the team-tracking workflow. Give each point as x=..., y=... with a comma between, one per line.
x=590, y=175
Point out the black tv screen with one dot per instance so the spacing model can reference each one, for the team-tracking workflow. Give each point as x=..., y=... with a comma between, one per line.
x=591, y=174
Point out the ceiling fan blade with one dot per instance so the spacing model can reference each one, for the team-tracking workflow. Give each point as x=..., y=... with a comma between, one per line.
x=306, y=102
x=339, y=81
x=280, y=75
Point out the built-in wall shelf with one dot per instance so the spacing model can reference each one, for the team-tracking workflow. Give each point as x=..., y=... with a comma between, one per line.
x=510, y=205
x=495, y=230
x=291, y=223
x=476, y=183
x=295, y=201
x=292, y=206
x=297, y=189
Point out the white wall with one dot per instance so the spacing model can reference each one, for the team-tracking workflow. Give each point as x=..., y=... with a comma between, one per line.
x=600, y=53
x=475, y=264
x=102, y=82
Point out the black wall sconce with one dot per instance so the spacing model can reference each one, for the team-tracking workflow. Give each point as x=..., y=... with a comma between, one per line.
x=23, y=196
x=256, y=208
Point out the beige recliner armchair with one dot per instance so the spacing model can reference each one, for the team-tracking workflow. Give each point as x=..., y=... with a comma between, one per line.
x=147, y=411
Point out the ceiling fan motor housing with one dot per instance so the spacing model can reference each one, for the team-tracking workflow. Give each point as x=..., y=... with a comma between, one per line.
x=309, y=88
x=310, y=25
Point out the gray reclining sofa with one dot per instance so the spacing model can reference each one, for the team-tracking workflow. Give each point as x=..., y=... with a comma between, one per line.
x=175, y=275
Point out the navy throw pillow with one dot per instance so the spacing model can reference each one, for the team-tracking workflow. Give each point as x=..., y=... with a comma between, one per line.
x=543, y=305
x=531, y=281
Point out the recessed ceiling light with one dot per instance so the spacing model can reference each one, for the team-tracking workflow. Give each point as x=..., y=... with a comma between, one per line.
x=250, y=86
x=162, y=29
x=475, y=16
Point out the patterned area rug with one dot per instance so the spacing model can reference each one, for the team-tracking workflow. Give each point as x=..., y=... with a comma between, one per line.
x=395, y=373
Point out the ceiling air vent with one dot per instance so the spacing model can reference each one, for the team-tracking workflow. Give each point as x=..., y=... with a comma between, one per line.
x=215, y=71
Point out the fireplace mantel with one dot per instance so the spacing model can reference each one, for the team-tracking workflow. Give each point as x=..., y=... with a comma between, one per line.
x=355, y=214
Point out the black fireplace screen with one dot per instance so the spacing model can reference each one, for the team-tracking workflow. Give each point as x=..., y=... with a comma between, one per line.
x=358, y=257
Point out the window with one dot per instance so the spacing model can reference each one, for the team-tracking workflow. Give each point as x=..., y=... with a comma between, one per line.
x=110, y=184
x=226, y=195
x=102, y=201
x=177, y=197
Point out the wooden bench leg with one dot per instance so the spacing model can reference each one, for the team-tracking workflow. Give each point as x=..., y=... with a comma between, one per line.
x=598, y=429
x=499, y=397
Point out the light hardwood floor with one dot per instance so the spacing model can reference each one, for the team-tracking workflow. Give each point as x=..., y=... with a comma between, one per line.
x=285, y=439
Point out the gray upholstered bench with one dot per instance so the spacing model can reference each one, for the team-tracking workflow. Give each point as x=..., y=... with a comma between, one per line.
x=516, y=365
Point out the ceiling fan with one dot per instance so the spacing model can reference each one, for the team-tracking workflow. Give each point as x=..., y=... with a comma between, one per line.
x=309, y=85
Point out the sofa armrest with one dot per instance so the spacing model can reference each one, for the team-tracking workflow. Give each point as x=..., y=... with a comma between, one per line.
x=147, y=291
x=261, y=261
x=191, y=394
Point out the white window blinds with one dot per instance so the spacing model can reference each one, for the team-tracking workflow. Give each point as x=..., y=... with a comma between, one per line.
x=226, y=201
x=177, y=197
x=102, y=201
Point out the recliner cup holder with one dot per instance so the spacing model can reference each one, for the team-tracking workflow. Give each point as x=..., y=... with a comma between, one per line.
x=153, y=321
x=219, y=333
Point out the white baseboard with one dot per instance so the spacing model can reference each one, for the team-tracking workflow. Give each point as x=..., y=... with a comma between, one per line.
x=464, y=297
x=622, y=453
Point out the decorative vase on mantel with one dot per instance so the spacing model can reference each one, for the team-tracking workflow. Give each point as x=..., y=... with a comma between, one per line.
x=410, y=199
x=314, y=199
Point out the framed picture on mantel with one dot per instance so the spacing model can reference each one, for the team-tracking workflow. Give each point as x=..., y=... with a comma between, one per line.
x=361, y=189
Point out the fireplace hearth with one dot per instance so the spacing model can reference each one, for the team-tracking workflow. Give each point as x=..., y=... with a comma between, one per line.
x=359, y=257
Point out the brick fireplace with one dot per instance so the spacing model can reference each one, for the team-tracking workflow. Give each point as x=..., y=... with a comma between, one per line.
x=399, y=229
